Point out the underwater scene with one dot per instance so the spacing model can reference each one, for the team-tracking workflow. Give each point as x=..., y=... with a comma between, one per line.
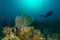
x=29, y=19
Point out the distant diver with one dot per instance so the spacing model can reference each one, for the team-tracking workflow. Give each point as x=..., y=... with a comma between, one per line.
x=48, y=14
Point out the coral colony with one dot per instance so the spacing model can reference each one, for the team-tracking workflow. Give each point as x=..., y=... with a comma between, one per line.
x=22, y=30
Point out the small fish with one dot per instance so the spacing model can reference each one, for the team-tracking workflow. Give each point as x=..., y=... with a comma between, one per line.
x=48, y=14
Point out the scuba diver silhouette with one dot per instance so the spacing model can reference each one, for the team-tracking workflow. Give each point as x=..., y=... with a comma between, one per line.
x=48, y=14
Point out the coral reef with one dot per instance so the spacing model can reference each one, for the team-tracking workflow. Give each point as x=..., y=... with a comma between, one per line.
x=22, y=30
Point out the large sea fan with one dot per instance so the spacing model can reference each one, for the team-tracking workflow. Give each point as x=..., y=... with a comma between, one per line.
x=23, y=20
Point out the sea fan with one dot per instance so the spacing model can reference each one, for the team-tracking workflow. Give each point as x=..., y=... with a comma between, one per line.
x=23, y=20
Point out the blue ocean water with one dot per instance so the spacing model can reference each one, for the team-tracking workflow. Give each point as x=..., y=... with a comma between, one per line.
x=9, y=9
x=12, y=8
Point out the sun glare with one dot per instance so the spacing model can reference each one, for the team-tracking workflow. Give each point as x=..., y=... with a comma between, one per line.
x=32, y=3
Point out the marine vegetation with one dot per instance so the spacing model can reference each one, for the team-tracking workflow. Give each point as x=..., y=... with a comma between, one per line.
x=23, y=20
x=22, y=30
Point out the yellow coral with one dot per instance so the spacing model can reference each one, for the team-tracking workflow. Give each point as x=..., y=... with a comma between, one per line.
x=37, y=32
x=7, y=30
x=26, y=29
x=17, y=38
x=11, y=36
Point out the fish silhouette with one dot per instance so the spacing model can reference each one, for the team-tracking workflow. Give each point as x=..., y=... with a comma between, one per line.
x=48, y=14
